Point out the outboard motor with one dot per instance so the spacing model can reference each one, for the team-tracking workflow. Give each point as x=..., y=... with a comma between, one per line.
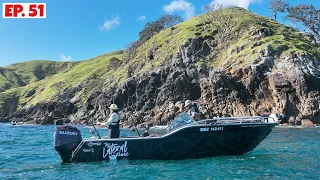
x=66, y=140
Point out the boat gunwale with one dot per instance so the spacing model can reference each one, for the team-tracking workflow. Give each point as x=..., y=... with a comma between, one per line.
x=193, y=125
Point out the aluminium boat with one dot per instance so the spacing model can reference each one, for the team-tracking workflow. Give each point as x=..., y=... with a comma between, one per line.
x=185, y=139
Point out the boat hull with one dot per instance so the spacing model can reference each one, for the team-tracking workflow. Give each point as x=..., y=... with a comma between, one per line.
x=185, y=143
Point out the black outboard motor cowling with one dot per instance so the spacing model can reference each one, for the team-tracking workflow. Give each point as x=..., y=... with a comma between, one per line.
x=66, y=139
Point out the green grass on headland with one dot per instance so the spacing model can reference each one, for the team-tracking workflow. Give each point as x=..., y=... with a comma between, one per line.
x=46, y=90
x=21, y=74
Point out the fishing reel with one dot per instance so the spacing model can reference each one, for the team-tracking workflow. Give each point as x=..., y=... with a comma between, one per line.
x=92, y=132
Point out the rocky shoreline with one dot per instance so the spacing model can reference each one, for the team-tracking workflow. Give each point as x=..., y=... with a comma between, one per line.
x=284, y=125
x=284, y=85
x=241, y=85
x=155, y=97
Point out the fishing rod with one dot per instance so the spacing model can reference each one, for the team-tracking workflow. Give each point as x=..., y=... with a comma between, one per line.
x=135, y=127
x=96, y=130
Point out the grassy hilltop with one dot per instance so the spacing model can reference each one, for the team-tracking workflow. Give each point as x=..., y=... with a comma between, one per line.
x=33, y=82
x=21, y=74
x=61, y=75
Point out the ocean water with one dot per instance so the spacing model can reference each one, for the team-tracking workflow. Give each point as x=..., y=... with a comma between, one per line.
x=26, y=152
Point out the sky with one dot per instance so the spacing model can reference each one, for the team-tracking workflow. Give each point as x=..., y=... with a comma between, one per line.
x=76, y=30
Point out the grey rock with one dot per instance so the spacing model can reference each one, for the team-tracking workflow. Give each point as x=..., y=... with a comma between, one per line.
x=240, y=48
x=292, y=120
x=193, y=49
x=306, y=123
x=268, y=50
x=230, y=51
x=30, y=93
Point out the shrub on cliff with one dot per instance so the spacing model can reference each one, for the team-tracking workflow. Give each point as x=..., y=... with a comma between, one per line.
x=149, y=30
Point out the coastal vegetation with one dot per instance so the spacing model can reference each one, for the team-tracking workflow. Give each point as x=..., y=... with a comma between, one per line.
x=227, y=56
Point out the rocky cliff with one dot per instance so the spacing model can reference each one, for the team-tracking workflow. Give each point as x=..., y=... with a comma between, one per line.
x=266, y=65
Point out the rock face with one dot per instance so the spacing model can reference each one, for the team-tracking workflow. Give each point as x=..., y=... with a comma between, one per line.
x=288, y=84
x=284, y=85
x=45, y=113
x=3, y=117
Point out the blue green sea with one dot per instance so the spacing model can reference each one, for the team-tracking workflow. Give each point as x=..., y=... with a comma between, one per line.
x=27, y=152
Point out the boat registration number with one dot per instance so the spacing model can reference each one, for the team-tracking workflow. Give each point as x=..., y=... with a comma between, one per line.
x=208, y=129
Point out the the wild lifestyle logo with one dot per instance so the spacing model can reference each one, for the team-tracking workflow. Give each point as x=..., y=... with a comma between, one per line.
x=114, y=150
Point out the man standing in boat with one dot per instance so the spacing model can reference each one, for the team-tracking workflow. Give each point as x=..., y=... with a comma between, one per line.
x=113, y=122
x=192, y=108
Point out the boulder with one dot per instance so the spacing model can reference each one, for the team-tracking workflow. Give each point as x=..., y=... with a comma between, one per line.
x=292, y=120
x=306, y=123
x=47, y=120
x=298, y=120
